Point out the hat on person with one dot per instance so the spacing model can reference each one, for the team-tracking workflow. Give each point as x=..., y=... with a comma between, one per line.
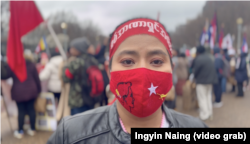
x=81, y=44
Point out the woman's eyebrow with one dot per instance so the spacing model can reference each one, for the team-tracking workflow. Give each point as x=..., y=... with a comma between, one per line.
x=157, y=52
x=129, y=52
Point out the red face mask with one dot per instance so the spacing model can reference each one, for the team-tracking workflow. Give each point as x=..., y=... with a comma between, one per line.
x=141, y=91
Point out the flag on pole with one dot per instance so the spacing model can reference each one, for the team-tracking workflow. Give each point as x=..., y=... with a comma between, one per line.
x=227, y=42
x=213, y=31
x=221, y=37
x=24, y=17
x=205, y=36
x=42, y=45
x=244, y=47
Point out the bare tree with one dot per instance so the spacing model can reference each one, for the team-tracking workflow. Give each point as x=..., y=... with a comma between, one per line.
x=74, y=29
x=227, y=13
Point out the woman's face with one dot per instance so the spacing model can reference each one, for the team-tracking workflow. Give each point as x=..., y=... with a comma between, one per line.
x=141, y=51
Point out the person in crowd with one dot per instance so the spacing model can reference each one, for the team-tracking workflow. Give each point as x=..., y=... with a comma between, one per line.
x=63, y=107
x=42, y=61
x=51, y=74
x=140, y=78
x=219, y=65
x=171, y=102
x=231, y=53
x=224, y=79
x=75, y=74
x=225, y=54
x=100, y=56
x=181, y=72
x=175, y=54
x=241, y=72
x=204, y=76
x=24, y=93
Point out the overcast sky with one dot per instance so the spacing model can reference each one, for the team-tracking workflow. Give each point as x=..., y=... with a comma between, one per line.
x=108, y=14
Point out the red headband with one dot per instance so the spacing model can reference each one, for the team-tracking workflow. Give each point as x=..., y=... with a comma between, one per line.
x=140, y=26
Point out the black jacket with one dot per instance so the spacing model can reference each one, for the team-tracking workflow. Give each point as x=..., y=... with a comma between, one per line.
x=241, y=71
x=204, y=70
x=102, y=125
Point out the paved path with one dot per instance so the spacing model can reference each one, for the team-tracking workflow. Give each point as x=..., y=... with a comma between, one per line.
x=234, y=113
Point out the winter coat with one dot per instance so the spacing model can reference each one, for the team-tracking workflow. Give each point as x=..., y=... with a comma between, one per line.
x=102, y=126
x=23, y=91
x=79, y=94
x=241, y=70
x=204, y=70
x=51, y=73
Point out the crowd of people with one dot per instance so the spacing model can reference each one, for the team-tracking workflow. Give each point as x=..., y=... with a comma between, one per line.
x=211, y=71
x=88, y=80
x=70, y=79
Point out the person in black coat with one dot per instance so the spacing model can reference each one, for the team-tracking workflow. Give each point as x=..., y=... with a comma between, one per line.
x=241, y=73
x=219, y=65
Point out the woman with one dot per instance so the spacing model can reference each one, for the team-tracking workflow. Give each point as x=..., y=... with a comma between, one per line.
x=140, y=78
x=51, y=73
x=24, y=93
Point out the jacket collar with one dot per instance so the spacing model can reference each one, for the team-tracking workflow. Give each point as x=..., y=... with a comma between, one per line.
x=117, y=130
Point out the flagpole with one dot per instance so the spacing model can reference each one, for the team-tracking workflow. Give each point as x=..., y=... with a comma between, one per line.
x=58, y=44
x=46, y=48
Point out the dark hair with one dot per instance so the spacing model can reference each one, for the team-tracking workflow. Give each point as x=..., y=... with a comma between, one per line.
x=110, y=36
x=200, y=49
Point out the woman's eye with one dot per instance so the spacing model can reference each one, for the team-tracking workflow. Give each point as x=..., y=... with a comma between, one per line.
x=156, y=62
x=127, y=62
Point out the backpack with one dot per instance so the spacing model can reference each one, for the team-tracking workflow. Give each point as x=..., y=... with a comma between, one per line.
x=95, y=78
x=226, y=68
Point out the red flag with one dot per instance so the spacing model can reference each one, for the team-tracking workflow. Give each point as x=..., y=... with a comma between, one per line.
x=213, y=31
x=24, y=17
